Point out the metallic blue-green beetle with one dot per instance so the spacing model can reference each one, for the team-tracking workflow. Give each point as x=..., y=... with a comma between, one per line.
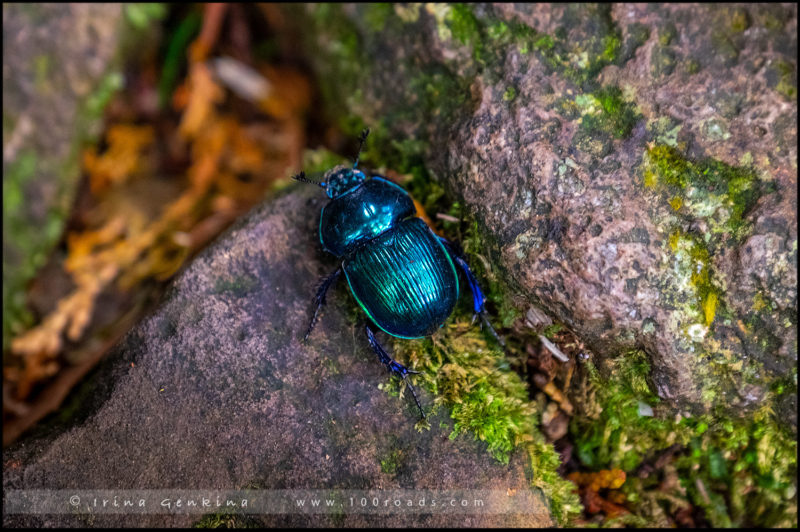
x=399, y=271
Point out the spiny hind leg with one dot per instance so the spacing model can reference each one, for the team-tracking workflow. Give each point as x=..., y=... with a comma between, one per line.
x=392, y=365
x=478, y=298
x=319, y=299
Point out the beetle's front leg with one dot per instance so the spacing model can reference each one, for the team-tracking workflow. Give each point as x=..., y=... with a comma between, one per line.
x=478, y=299
x=319, y=299
x=392, y=365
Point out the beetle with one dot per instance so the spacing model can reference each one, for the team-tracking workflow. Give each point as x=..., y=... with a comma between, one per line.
x=399, y=271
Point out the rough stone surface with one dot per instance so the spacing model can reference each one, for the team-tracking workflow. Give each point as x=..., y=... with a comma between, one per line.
x=55, y=61
x=546, y=121
x=215, y=391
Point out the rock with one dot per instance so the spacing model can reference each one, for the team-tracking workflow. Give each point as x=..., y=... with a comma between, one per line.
x=632, y=167
x=216, y=391
x=60, y=67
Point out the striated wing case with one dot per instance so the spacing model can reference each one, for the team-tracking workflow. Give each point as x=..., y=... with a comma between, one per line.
x=404, y=280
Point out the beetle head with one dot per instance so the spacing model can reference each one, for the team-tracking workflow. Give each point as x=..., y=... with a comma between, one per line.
x=341, y=179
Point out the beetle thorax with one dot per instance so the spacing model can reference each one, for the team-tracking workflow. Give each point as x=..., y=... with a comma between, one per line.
x=340, y=179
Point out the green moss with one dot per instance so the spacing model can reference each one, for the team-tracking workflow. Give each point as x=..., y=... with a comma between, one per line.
x=662, y=61
x=470, y=376
x=29, y=250
x=489, y=416
x=593, y=42
x=544, y=43
x=238, y=286
x=97, y=101
x=41, y=67
x=464, y=25
x=739, y=472
x=786, y=80
x=341, y=54
x=740, y=20
x=226, y=520
x=604, y=117
x=605, y=441
x=377, y=14
x=509, y=94
x=667, y=34
x=321, y=160
x=611, y=44
x=390, y=463
x=605, y=111
x=440, y=94
x=724, y=46
x=499, y=32
x=551, y=330
x=580, y=56
x=711, y=190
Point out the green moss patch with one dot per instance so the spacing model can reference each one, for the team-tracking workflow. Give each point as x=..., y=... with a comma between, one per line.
x=237, y=286
x=605, y=111
x=710, y=189
x=227, y=520
x=391, y=462
x=603, y=440
x=739, y=472
x=604, y=116
x=15, y=315
x=593, y=42
x=471, y=377
x=782, y=76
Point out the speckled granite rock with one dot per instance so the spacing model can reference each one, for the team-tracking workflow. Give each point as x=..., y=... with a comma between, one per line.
x=215, y=391
x=633, y=166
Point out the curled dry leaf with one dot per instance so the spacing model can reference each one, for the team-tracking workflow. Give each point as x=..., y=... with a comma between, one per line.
x=123, y=158
x=595, y=481
x=590, y=484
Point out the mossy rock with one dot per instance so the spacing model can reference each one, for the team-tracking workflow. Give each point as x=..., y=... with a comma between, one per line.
x=558, y=175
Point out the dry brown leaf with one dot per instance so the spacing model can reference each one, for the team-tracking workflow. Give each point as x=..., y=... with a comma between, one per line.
x=595, y=481
x=204, y=93
x=126, y=143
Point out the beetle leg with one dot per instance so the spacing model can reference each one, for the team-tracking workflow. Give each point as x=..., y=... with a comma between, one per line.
x=392, y=365
x=319, y=299
x=478, y=299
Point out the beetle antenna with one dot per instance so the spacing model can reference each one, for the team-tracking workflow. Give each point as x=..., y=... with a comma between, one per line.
x=303, y=179
x=361, y=138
